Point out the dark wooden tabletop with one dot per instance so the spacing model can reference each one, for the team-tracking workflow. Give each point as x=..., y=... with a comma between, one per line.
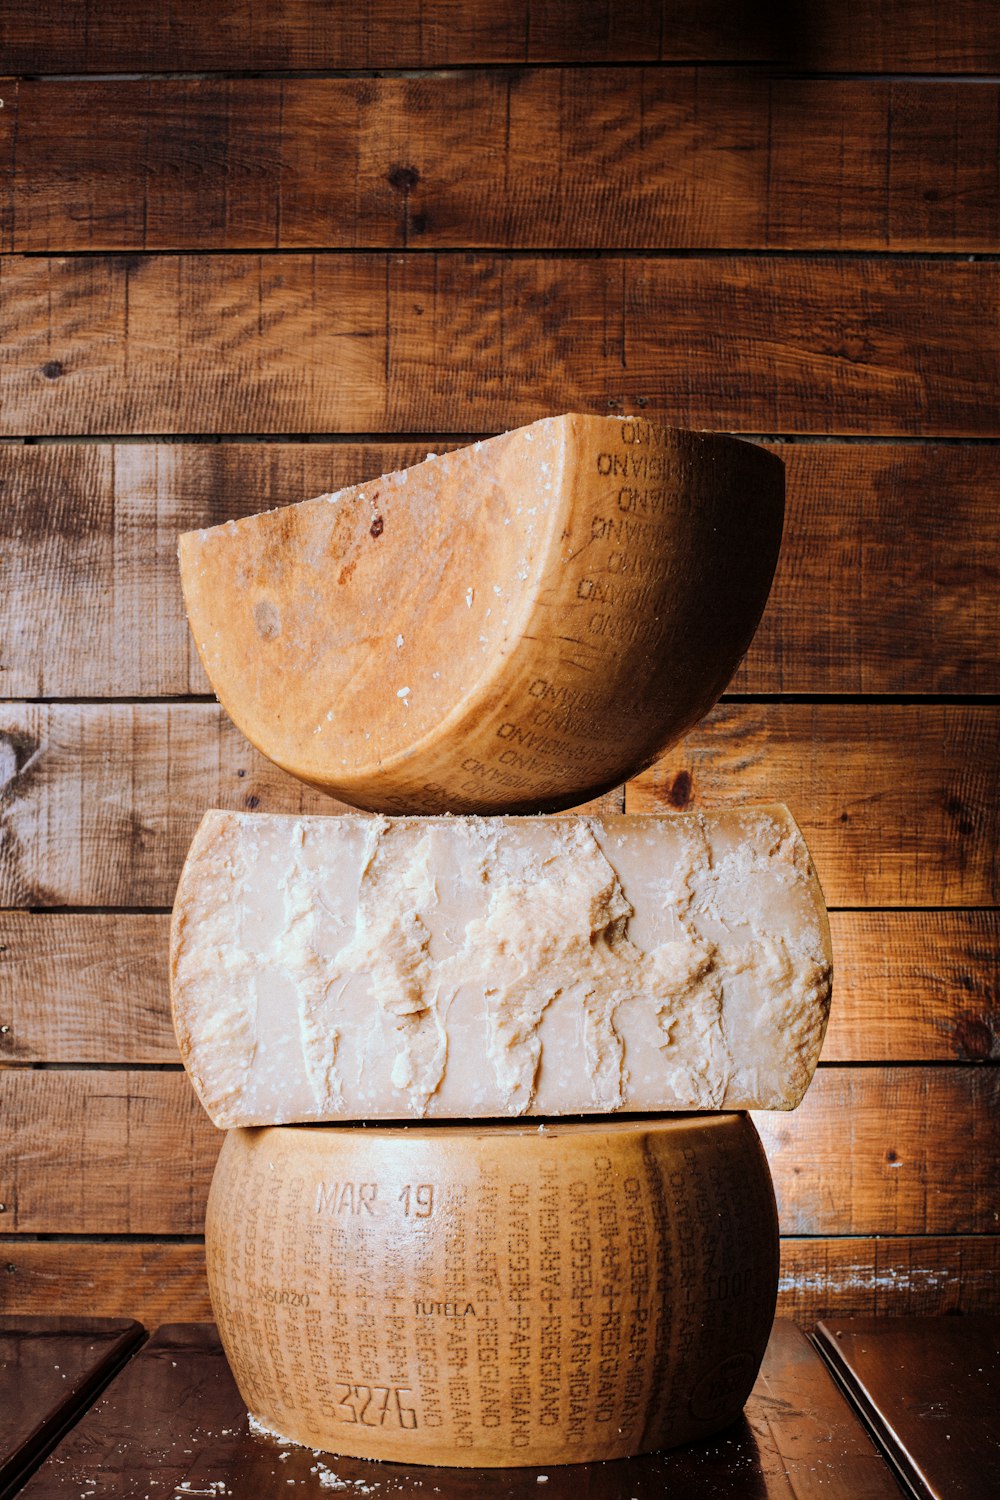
x=50, y=1371
x=930, y=1390
x=173, y=1424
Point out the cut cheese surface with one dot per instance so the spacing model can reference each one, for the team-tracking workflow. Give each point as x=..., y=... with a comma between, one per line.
x=515, y=626
x=386, y=968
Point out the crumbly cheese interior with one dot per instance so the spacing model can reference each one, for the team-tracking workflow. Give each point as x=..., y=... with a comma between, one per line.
x=332, y=968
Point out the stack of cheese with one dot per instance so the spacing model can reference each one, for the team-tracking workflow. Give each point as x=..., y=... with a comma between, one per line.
x=512, y=628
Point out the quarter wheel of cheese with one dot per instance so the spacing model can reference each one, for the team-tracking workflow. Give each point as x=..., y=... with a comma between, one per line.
x=494, y=1296
x=513, y=627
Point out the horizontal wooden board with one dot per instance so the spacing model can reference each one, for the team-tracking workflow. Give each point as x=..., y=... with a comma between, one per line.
x=546, y=159
x=99, y=802
x=92, y=988
x=427, y=342
x=164, y=1281
x=895, y=1277
x=886, y=1150
x=888, y=582
x=85, y=988
x=889, y=574
x=899, y=804
x=927, y=36
x=870, y=1151
x=98, y=1152
x=918, y=986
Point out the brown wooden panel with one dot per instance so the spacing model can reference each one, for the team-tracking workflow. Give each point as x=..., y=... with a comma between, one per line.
x=914, y=985
x=899, y=1276
x=93, y=1152
x=899, y=804
x=164, y=1281
x=85, y=988
x=472, y=343
x=889, y=578
x=703, y=159
x=924, y=36
x=889, y=575
x=99, y=802
x=893, y=36
x=870, y=1151
x=92, y=988
x=888, y=1151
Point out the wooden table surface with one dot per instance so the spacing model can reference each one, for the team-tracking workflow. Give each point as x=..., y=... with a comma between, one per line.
x=51, y=1369
x=929, y=1389
x=173, y=1424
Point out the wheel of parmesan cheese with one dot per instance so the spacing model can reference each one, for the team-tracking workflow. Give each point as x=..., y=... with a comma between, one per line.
x=495, y=1295
x=513, y=627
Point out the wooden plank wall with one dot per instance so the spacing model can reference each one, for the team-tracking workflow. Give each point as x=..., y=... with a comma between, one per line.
x=256, y=257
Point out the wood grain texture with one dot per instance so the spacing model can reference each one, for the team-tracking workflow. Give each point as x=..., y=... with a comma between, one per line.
x=697, y=159
x=870, y=1151
x=92, y=988
x=164, y=1282
x=99, y=802
x=888, y=1151
x=918, y=986
x=898, y=803
x=473, y=343
x=873, y=593
x=85, y=988
x=889, y=574
x=104, y=1152
x=923, y=36
x=897, y=1277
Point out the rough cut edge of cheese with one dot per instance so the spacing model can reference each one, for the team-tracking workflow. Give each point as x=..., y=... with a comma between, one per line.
x=343, y=968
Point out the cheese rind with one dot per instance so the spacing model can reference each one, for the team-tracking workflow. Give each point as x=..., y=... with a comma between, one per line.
x=372, y=968
x=509, y=1294
x=516, y=626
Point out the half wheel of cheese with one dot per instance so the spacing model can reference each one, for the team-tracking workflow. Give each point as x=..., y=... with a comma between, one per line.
x=515, y=626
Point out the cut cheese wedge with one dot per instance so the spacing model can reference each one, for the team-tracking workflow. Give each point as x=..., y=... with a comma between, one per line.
x=516, y=626
x=350, y=968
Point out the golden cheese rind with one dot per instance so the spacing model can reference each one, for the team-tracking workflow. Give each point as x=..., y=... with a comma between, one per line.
x=505, y=1295
x=515, y=626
